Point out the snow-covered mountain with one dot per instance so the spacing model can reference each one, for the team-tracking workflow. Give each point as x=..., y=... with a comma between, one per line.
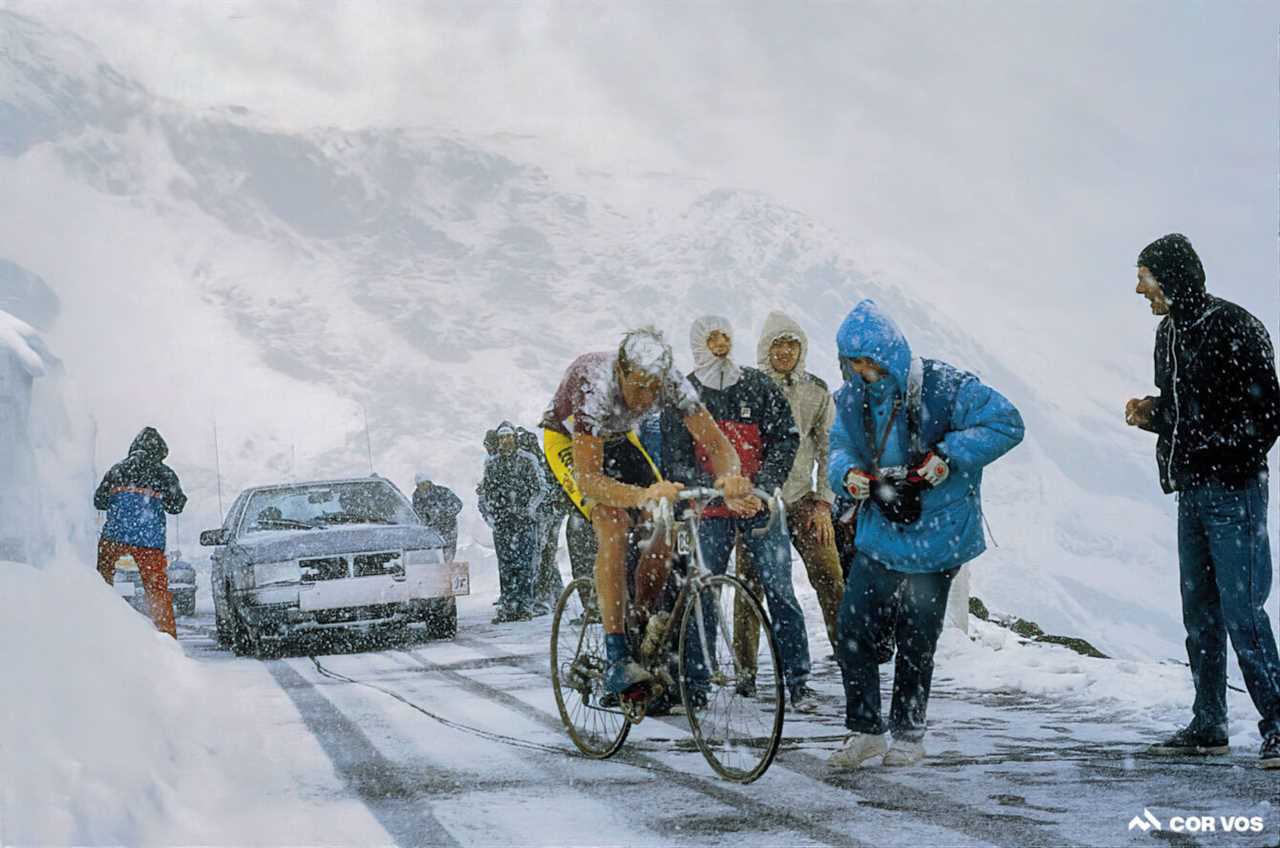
x=208, y=266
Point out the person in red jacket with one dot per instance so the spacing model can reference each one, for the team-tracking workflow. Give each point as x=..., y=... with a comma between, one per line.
x=755, y=416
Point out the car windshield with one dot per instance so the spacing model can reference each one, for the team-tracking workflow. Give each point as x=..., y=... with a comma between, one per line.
x=326, y=505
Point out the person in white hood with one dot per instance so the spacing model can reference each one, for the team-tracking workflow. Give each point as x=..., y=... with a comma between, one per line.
x=781, y=355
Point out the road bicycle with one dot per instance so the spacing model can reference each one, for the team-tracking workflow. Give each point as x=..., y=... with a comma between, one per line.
x=734, y=702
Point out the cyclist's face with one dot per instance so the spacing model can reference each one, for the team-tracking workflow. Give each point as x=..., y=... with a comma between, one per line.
x=719, y=344
x=639, y=390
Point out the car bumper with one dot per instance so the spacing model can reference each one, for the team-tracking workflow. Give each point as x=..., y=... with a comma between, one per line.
x=359, y=603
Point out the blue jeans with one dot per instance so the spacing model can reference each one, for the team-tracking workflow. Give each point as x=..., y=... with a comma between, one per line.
x=878, y=601
x=771, y=554
x=1224, y=558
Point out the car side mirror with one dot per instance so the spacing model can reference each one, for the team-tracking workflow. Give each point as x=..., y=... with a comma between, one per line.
x=213, y=538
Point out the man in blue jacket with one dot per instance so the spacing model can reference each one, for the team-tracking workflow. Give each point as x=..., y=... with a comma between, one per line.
x=910, y=440
x=136, y=493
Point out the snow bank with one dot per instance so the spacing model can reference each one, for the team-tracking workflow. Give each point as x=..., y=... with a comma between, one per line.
x=109, y=735
x=1148, y=698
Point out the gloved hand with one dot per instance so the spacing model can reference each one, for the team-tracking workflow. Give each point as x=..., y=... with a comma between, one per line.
x=935, y=468
x=858, y=484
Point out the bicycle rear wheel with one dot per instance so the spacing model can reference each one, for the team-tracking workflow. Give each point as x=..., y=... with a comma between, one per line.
x=737, y=730
x=577, y=673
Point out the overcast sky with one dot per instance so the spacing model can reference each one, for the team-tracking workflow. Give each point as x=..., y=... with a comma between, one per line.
x=1027, y=147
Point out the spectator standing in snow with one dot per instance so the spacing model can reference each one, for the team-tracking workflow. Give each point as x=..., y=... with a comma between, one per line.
x=438, y=507
x=756, y=418
x=510, y=494
x=781, y=356
x=136, y=493
x=1216, y=416
x=552, y=509
x=911, y=438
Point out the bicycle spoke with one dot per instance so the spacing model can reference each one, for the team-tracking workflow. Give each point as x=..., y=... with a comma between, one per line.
x=737, y=734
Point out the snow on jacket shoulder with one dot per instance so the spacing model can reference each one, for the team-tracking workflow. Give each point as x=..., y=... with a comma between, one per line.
x=137, y=492
x=811, y=406
x=973, y=423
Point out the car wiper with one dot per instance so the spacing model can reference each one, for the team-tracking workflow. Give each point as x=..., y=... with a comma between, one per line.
x=262, y=523
x=355, y=518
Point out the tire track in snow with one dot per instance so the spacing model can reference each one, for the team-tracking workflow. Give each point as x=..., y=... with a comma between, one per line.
x=749, y=807
x=1005, y=830
x=394, y=795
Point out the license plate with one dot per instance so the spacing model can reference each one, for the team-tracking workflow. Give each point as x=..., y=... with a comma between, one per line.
x=461, y=584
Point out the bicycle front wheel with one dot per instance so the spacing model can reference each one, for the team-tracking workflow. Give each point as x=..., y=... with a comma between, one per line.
x=734, y=702
x=577, y=673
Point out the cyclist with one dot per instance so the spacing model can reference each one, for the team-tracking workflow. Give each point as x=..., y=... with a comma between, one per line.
x=601, y=399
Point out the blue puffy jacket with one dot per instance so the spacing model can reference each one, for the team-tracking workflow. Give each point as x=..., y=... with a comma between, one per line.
x=972, y=423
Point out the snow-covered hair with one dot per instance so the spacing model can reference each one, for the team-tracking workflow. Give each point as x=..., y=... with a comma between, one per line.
x=645, y=350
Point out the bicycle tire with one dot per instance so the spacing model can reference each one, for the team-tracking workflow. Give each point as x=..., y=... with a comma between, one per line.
x=766, y=743
x=596, y=731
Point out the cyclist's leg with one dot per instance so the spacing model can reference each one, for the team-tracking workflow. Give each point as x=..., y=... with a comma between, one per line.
x=612, y=526
x=651, y=573
x=772, y=557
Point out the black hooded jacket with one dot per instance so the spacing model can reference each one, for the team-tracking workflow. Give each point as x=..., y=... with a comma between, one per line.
x=755, y=416
x=138, y=491
x=1218, y=411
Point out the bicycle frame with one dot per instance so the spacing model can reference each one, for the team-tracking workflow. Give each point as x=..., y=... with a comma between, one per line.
x=665, y=521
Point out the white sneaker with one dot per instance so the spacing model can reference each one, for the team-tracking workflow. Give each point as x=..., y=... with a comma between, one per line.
x=857, y=748
x=904, y=752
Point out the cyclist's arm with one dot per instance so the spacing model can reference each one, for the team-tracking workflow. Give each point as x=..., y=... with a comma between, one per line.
x=588, y=472
x=705, y=432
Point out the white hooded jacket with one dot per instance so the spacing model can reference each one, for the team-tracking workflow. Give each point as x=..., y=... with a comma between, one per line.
x=712, y=371
x=811, y=406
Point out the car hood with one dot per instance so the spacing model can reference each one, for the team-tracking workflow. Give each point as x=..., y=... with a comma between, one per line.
x=295, y=544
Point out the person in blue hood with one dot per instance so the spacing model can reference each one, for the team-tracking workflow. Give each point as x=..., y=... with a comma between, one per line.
x=910, y=440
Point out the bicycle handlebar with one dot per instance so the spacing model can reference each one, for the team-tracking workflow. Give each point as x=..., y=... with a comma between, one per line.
x=664, y=515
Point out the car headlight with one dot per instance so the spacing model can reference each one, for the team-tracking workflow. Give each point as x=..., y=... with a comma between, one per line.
x=267, y=573
x=428, y=556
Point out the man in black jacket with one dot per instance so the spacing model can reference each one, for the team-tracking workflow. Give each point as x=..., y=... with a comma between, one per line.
x=1217, y=415
x=753, y=413
x=510, y=493
x=438, y=507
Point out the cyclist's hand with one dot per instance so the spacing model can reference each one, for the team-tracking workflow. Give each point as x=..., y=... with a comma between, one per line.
x=734, y=486
x=668, y=489
x=744, y=507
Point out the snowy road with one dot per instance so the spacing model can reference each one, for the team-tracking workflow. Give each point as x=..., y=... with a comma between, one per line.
x=459, y=743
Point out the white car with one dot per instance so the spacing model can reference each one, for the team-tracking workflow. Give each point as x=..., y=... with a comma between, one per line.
x=328, y=555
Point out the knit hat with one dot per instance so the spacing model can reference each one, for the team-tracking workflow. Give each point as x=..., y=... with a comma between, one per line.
x=1174, y=263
